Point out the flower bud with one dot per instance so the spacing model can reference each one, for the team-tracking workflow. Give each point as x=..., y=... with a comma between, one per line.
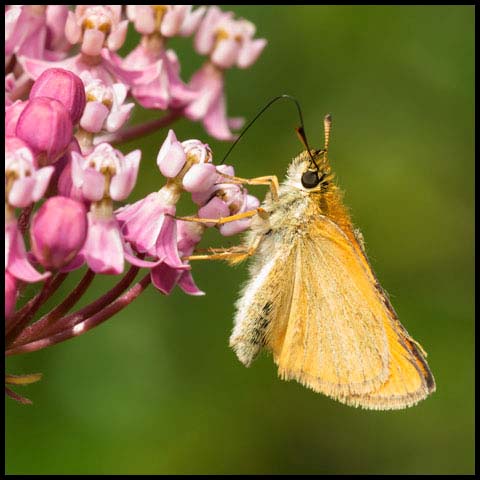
x=58, y=231
x=64, y=86
x=45, y=125
x=12, y=113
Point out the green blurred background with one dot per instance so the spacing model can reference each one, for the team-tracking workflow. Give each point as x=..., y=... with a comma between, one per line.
x=157, y=390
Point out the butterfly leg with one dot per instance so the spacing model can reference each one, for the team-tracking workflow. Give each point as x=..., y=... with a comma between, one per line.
x=270, y=180
x=233, y=254
x=222, y=220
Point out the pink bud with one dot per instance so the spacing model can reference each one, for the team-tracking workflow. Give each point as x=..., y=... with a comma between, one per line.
x=11, y=293
x=58, y=231
x=45, y=125
x=200, y=177
x=12, y=113
x=64, y=86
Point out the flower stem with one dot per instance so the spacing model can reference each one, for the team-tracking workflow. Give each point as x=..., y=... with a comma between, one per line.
x=24, y=219
x=43, y=326
x=137, y=131
x=21, y=318
x=87, y=324
x=17, y=397
x=35, y=330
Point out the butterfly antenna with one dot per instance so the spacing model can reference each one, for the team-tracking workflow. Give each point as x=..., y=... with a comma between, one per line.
x=300, y=130
x=327, y=125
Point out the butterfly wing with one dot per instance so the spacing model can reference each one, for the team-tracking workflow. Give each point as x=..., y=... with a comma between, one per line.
x=264, y=302
x=342, y=336
x=323, y=325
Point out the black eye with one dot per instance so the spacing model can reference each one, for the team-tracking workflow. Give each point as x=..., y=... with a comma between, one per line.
x=310, y=179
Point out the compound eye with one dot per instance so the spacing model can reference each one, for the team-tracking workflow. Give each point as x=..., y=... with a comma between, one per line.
x=310, y=179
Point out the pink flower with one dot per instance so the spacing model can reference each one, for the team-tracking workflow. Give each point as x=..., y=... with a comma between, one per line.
x=36, y=31
x=95, y=27
x=149, y=225
x=188, y=161
x=228, y=43
x=106, y=67
x=25, y=30
x=46, y=126
x=164, y=277
x=64, y=86
x=167, y=20
x=105, y=173
x=225, y=199
x=103, y=176
x=105, y=108
x=24, y=184
x=58, y=231
x=209, y=104
x=159, y=84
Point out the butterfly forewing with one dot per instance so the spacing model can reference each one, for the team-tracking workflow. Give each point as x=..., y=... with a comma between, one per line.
x=335, y=342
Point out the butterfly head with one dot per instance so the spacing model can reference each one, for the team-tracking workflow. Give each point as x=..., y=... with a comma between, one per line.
x=310, y=172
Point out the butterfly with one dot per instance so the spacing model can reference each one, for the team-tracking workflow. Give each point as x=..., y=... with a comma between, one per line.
x=313, y=300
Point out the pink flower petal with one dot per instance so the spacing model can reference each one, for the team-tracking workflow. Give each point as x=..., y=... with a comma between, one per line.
x=73, y=31
x=21, y=192
x=92, y=42
x=123, y=182
x=192, y=21
x=200, y=177
x=226, y=53
x=118, y=117
x=103, y=248
x=171, y=158
x=93, y=187
x=94, y=116
x=166, y=246
x=215, y=208
x=42, y=179
x=232, y=228
x=17, y=263
x=138, y=261
x=143, y=220
x=187, y=284
x=250, y=52
x=216, y=123
x=117, y=37
x=164, y=278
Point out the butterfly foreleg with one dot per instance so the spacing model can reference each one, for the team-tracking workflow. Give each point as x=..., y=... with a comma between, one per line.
x=270, y=180
x=222, y=220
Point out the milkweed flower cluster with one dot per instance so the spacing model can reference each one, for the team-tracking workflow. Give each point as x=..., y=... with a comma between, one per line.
x=69, y=96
